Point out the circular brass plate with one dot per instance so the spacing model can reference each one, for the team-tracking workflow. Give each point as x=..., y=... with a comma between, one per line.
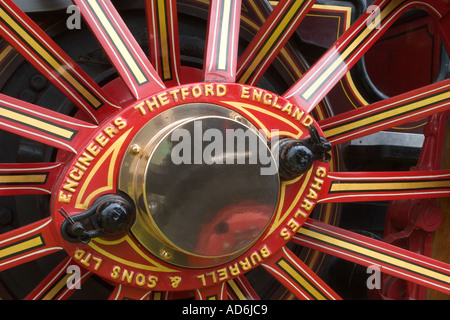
x=202, y=196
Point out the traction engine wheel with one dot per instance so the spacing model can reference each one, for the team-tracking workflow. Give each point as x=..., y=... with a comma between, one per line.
x=159, y=175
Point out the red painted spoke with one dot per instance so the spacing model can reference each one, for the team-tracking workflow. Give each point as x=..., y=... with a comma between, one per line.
x=240, y=289
x=121, y=47
x=297, y=277
x=215, y=292
x=28, y=178
x=122, y=292
x=171, y=295
x=270, y=39
x=384, y=186
x=158, y=295
x=370, y=252
x=41, y=51
x=41, y=124
x=382, y=115
x=27, y=243
x=57, y=284
x=222, y=41
x=163, y=39
x=344, y=54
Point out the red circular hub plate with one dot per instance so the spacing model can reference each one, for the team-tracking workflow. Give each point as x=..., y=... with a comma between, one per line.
x=95, y=169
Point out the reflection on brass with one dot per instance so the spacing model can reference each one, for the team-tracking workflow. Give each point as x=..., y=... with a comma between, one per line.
x=200, y=202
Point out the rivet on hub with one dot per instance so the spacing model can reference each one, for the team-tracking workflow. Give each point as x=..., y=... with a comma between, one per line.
x=166, y=254
x=135, y=149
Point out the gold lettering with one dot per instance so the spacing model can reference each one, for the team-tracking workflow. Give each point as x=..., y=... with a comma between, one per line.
x=265, y=252
x=184, y=93
x=196, y=91
x=85, y=159
x=321, y=172
x=209, y=90
x=293, y=225
x=255, y=258
x=64, y=198
x=175, y=281
x=140, y=106
x=116, y=272
x=76, y=175
x=275, y=103
x=101, y=139
x=93, y=149
x=284, y=233
x=140, y=279
x=234, y=269
x=163, y=100
x=120, y=123
x=298, y=114
x=152, y=104
x=300, y=213
x=311, y=194
x=174, y=94
x=223, y=274
x=257, y=95
x=127, y=275
x=287, y=108
x=152, y=281
x=213, y=275
x=85, y=261
x=79, y=254
x=267, y=99
x=70, y=185
x=202, y=277
x=110, y=132
x=307, y=205
x=308, y=121
x=317, y=184
x=221, y=90
x=80, y=166
x=245, y=93
x=99, y=261
x=245, y=264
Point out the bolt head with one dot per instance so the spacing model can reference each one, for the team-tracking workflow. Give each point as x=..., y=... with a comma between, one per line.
x=135, y=149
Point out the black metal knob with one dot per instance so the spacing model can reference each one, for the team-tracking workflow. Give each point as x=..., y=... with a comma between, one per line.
x=297, y=156
x=110, y=215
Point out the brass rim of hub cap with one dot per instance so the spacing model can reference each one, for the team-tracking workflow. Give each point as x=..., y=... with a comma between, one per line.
x=198, y=214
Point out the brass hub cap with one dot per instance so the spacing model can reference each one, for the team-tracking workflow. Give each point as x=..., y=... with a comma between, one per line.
x=199, y=183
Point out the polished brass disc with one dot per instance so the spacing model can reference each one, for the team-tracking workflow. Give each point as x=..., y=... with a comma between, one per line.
x=206, y=186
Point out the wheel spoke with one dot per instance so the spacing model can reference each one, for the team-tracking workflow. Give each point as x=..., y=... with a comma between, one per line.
x=385, y=186
x=222, y=41
x=56, y=286
x=382, y=115
x=43, y=53
x=215, y=292
x=121, y=47
x=27, y=243
x=270, y=39
x=242, y=289
x=122, y=292
x=28, y=178
x=298, y=278
x=370, y=252
x=163, y=38
x=41, y=124
x=344, y=54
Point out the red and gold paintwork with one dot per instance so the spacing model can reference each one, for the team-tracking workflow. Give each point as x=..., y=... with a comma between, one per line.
x=94, y=173
x=92, y=143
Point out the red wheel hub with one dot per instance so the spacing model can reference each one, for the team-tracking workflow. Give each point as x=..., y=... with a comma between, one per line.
x=224, y=228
